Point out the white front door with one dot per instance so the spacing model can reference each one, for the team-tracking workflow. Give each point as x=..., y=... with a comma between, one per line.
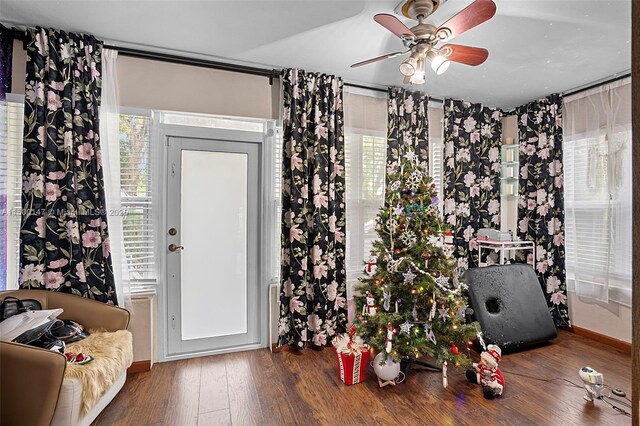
x=213, y=239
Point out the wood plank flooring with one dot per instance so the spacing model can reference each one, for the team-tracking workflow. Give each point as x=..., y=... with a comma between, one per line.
x=260, y=388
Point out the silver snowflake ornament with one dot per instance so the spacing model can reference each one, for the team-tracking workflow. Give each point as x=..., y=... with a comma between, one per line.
x=442, y=281
x=408, y=238
x=406, y=327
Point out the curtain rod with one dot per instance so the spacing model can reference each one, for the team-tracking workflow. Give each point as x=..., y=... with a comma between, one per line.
x=264, y=72
x=597, y=84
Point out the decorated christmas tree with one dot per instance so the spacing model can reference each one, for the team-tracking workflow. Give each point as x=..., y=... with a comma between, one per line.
x=411, y=302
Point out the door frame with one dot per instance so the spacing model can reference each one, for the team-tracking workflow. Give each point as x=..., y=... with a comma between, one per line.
x=161, y=133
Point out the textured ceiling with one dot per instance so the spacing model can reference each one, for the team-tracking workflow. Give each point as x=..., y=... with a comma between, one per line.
x=536, y=47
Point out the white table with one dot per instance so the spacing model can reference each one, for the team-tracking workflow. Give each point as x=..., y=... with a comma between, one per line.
x=504, y=248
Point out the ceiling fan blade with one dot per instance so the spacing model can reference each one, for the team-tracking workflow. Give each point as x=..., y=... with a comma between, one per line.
x=393, y=24
x=379, y=58
x=473, y=15
x=464, y=54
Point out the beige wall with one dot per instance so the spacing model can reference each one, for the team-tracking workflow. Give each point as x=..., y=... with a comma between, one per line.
x=143, y=328
x=165, y=86
x=18, y=70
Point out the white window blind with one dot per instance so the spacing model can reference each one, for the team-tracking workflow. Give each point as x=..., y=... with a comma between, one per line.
x=365, y=167
x=436, y=165
x=137, y=185
x=12, y=187
x=598, y=221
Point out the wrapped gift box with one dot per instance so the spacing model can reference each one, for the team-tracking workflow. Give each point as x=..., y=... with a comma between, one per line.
x=352, y=366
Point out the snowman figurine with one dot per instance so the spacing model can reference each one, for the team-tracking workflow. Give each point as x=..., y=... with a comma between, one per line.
x=369, y=308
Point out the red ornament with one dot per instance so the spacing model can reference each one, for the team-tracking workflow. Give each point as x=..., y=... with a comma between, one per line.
x=454, y=349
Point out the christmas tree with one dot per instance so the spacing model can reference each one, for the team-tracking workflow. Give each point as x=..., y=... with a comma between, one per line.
x=411, y=303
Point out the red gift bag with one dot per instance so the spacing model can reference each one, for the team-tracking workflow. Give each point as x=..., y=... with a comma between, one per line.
x=351, y=367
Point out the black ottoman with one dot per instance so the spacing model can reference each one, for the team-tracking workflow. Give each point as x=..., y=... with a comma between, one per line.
x=510, y=306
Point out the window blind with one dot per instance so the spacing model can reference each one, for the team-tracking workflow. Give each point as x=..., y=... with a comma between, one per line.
x=365, y=168
x=436, y=165
x=598, y=221
x=11, y=182
x=137, y=185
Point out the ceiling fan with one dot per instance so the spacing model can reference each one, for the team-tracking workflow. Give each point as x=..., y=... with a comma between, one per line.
x=421, y=40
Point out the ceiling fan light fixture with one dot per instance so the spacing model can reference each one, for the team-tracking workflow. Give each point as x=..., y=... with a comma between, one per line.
x=418, y=76
x=408, y=66
x=439, y=64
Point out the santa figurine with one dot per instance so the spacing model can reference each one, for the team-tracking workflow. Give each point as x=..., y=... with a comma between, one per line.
x=487, y=373
x=448, y=237
x=369, y=309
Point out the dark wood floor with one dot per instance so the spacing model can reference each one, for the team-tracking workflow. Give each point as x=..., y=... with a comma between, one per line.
x=257, y=387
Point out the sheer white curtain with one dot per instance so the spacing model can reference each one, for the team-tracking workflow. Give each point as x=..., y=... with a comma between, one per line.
x=110, y=146
x=597, y=161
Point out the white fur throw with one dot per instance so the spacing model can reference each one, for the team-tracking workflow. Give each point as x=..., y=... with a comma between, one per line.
x=112, y=353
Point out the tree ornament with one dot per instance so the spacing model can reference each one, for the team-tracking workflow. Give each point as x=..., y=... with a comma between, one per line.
x=462, y=312
x=387, y=299
x=409, y=277
x=435, y=240
x=393, y=264
x=445, y=382
x=371, y=266
x=369, y=308
x=454, y=349
x=414, y=313
x=388, y=343
x=410, y=156
x=444, y=314
x=432, y=314
x=395, y=185
x=442, y=281
x=429, y=333
x=408, y=238
x=406, y=327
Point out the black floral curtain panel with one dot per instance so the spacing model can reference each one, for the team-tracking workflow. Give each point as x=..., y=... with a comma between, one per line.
x=64, y=235
x=407, y=126
x=541, y=202
x=472, y=140
x=313, y=277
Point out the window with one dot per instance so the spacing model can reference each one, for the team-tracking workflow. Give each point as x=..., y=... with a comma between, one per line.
x=365, y=164
x=435, y=165
x=137, y=185
x=11, y=190
x=598, y=221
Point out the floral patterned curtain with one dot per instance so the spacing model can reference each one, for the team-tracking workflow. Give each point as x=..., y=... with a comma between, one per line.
x=64, y=235
x=313, y=278
x=407, y=126
x=472, y=136
x=541, y=202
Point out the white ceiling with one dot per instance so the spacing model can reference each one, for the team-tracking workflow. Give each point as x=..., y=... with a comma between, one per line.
x=536, y=47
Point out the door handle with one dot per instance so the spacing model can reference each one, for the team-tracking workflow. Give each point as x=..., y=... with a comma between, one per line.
x=172, y=247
